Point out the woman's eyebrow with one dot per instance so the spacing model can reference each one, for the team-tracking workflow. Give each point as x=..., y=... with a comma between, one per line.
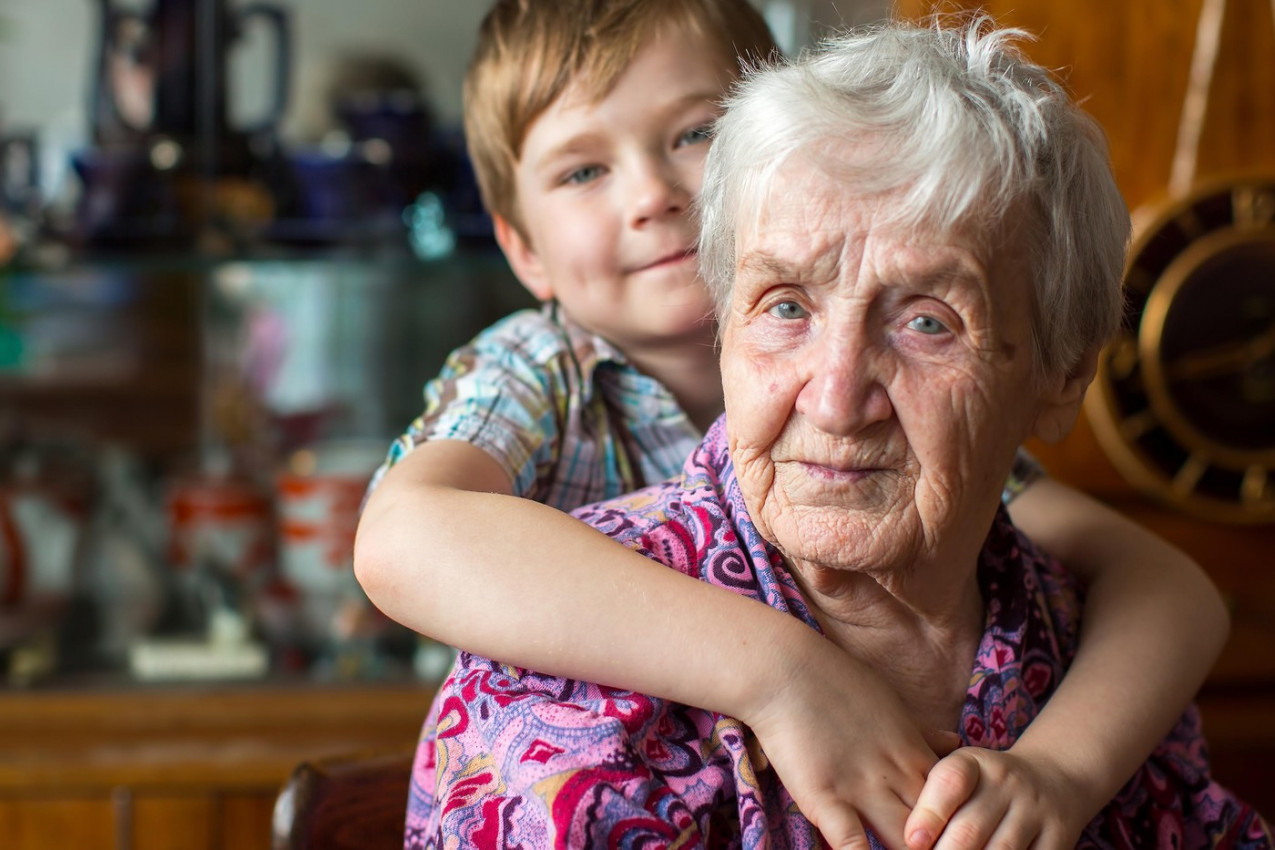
x=763, y=264
x=947, y=273
x=808, y=267
x=958, y=281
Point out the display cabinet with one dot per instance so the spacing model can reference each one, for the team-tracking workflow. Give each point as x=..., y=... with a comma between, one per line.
x=154, y=357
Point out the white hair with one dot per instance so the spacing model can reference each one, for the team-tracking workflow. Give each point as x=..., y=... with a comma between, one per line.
x=957, y=122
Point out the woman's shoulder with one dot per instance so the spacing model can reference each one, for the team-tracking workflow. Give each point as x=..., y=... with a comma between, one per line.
x=633, y=517
x=676, y=522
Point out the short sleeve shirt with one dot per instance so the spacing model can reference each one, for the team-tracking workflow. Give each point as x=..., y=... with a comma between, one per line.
x=560, y=409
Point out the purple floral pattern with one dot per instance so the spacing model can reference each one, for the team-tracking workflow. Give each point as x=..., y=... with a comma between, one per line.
x=512, y=758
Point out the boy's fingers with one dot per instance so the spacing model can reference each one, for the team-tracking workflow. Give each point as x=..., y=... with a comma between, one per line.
x=841, y=828
x=971, y=830
x=951, y=782
x=1020, y=834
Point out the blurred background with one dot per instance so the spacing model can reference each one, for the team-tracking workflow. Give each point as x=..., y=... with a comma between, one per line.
x=235, y=239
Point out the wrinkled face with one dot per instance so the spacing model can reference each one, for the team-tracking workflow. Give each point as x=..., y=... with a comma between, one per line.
x=605, y=190
x=877, y=382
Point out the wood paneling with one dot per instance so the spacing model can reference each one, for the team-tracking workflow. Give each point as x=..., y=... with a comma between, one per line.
x=242, y=816
x=1128, y=63
x=43, y=824
x=174, y=822
x=197, y=768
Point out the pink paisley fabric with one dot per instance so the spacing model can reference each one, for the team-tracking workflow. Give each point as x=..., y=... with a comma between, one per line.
x=511, y=758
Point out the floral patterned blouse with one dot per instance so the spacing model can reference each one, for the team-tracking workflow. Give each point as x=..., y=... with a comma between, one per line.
x=512, y=758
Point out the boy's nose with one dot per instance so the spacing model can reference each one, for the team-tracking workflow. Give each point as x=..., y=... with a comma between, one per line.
x=658, y=191
x=842, y=393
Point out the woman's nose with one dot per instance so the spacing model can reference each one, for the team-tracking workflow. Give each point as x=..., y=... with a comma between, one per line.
x=843, y=392
x=659, y=190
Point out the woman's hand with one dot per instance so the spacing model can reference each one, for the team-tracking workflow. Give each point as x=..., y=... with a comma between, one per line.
x=844, y=746
x=976, y=797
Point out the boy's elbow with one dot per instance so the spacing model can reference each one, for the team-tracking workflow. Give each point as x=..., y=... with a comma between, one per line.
x=369, y=559
x=378, y=547
x=389, y=558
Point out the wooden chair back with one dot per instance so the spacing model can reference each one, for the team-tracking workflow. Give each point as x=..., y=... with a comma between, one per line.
x=347, y=802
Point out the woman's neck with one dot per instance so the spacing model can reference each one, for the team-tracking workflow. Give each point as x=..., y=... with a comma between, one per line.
x=922, y=644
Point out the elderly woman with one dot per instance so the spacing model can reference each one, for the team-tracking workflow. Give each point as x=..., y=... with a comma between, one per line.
x=915, y=247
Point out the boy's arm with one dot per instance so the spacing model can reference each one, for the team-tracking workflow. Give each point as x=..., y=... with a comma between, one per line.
x=444, y=548
x=1153, y=626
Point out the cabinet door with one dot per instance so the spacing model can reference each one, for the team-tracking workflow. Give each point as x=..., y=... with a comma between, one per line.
x=245, y=821
x=141, y=821
x=170, y=822
x=199, y=821
x=46, y=824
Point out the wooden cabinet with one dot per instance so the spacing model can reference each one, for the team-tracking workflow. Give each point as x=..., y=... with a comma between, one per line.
x=194, y=767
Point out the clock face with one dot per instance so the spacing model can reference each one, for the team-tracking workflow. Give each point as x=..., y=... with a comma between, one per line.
x=1184, y=400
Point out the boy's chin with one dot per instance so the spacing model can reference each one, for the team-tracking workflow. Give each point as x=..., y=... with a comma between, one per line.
x=682, y=292
x=688, y=326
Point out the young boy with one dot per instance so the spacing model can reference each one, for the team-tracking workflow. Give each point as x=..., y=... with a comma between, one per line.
x=588, y=123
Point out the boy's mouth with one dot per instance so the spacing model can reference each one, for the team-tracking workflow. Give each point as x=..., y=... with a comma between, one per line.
x=672, y=258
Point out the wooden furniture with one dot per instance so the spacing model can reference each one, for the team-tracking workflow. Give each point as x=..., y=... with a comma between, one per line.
x=347, y=802
x=130, y=767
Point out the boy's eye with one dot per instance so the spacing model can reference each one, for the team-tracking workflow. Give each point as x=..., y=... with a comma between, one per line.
x=584, y=174
x=927, y=325
x=696, y=135
x=788, y=310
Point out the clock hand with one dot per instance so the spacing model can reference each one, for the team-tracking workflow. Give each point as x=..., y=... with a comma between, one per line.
x=1228, y=358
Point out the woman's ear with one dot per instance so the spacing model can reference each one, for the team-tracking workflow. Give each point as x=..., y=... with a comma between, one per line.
x=1060, y=402
x=522, y=258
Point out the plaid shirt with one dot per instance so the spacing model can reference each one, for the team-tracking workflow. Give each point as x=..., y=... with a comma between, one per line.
x=560, y=408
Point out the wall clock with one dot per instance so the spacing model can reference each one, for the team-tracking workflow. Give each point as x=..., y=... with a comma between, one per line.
x=1184, y=399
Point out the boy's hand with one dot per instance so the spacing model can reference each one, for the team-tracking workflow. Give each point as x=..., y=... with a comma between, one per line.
x=975, y=795
x=845, y=748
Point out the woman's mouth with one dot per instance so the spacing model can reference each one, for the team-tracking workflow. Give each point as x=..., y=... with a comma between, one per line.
x=837, y=473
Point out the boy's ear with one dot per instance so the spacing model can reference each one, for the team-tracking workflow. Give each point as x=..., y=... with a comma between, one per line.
x=522, y=258
x=1060, y=402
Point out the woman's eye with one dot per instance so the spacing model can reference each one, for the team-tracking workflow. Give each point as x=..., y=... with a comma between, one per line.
x=585, y=174
x=696, y=135
x=927, y=325
x=788, y=310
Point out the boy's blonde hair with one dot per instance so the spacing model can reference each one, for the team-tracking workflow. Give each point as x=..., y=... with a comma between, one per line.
x=530, y=51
